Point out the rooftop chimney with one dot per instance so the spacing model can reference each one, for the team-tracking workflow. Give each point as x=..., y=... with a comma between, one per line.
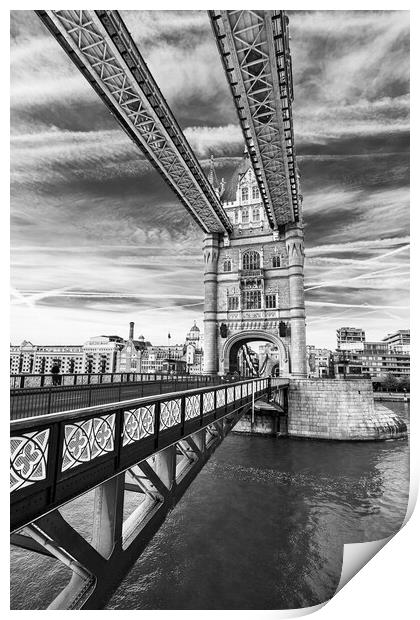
x=131, y=334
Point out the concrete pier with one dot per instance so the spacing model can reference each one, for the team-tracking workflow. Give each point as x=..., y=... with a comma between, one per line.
x=336, y=409
x=323, y=409
x=267, y=419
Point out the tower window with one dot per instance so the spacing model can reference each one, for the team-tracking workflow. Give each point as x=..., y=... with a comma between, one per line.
x=256, y=214
x=276, y=261
x=252, y=300
x=255, y=193
x=245, y=216
x=233, y=303
x=251, y=260
x=271, y=301
x=227, y=265
x=244, y=193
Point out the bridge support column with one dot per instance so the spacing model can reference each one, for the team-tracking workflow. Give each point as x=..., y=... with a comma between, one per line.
x=165, y=465
x=108, y=515
x=199, y=439
x=295, y=252
x=211, y=253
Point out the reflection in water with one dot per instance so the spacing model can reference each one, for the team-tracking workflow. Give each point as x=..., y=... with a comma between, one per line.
x=262, y=527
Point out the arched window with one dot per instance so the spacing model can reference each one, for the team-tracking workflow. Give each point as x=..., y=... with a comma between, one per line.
x=256, y=214
x=255, y=193
x=250, y=260
x=245, y=216
x=227, y=265
x=244, y=193
x=276, y=261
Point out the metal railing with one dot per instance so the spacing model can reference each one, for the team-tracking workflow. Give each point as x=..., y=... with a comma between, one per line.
x=57, y=457
x=21, y=380
x=37, y=401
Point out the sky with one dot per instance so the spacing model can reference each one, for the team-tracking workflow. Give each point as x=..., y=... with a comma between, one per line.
x=98, y=239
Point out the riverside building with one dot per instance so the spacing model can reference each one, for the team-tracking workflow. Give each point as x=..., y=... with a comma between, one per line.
x=109, y=354
x=373, y=359
x=320, y=363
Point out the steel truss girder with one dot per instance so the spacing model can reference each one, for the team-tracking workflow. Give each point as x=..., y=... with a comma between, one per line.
x=98, y=567
x=100, y=45
x=254, y=48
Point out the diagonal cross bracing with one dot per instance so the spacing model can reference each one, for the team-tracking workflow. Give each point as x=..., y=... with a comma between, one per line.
x=100, y=45
x=254, y=47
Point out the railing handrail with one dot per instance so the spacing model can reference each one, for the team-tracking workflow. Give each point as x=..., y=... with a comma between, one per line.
x=125, y=377
x=14, y=391
x=85, y=412
x=96, y=374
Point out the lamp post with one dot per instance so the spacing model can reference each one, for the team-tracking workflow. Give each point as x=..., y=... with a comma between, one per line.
x=169, y=353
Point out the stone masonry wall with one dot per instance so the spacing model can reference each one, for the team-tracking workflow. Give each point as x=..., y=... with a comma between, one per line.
x=263, y=424
x=337, y=409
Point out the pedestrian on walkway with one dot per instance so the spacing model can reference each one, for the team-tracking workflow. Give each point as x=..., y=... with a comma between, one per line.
x=55, y=371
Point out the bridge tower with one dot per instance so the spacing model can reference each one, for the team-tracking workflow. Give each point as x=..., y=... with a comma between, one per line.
x=253, y=282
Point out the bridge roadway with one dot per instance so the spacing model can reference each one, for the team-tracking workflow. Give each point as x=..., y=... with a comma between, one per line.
x=152, y=447
x=29, y=402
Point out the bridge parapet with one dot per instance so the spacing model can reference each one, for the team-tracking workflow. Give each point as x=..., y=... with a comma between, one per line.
x=20, y=381
x=57, y=457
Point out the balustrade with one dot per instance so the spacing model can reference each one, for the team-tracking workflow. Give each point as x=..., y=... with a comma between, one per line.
x=57, y=457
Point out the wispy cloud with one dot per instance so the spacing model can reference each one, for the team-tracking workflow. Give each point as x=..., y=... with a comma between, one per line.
x=99, y=239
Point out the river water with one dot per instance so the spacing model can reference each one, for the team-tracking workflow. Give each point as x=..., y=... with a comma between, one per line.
x=261, y=527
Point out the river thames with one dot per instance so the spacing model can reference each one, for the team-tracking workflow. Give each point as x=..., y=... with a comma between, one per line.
x=263, y=526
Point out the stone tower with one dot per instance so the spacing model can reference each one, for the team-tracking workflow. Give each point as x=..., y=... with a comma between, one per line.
x=253, y=282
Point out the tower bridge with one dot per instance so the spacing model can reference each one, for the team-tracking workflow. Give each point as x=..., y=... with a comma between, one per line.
x=255, y=223
x=253, y=280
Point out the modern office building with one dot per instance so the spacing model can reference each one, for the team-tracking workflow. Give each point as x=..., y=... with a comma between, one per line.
x=399, y=341
x=375, y=359
x=350, y=338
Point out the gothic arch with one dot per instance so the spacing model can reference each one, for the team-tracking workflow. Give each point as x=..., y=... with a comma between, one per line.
x=232, y=345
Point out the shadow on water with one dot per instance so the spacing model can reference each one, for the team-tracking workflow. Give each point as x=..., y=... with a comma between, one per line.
x=261, y=527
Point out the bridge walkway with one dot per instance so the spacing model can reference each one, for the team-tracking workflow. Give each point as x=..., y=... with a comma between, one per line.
x=152, y=447
x=35, y=401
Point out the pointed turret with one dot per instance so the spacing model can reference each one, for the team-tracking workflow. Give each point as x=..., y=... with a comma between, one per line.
x=244, y=165
x=214, y=181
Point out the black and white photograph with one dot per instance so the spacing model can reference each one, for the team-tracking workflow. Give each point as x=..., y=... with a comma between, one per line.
x=210, y=305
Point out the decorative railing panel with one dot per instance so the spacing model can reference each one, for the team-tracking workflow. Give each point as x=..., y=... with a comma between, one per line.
x=192, y=407
x=220, y=398
x=208, y=402
x=170, y=413
x=87, y=440
x=138, y=423
x=28, y=458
